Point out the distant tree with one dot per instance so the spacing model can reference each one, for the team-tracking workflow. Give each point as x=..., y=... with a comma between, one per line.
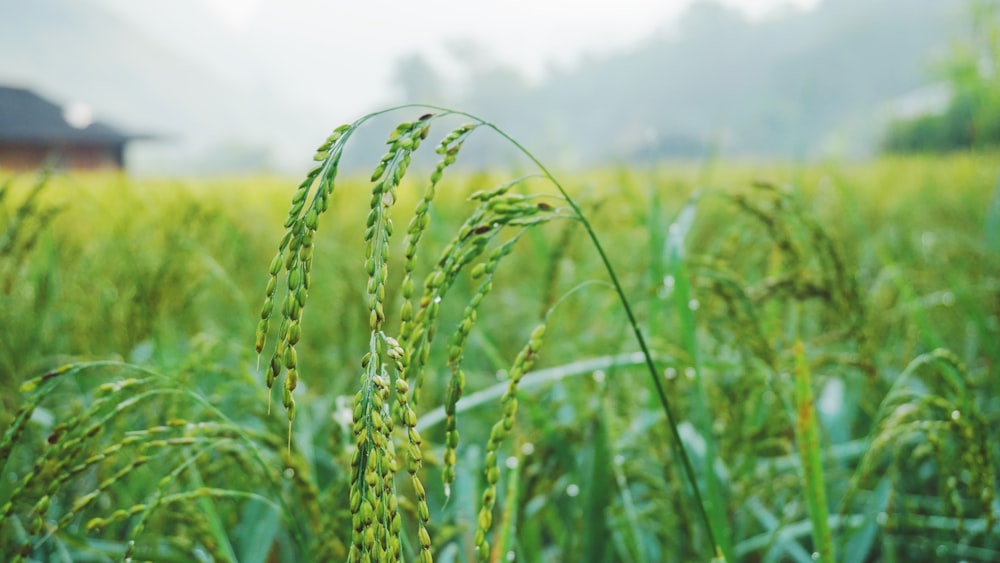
x=972, y=118
x=418, y=80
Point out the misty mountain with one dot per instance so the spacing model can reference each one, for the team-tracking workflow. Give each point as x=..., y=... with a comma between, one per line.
x=804, y=85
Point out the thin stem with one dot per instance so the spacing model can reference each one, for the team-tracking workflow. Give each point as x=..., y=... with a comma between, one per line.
x=650, y=365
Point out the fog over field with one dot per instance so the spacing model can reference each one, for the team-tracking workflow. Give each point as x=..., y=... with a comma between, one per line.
x=255, y=84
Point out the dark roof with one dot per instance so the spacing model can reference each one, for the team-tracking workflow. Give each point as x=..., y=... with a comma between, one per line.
x=26, y=117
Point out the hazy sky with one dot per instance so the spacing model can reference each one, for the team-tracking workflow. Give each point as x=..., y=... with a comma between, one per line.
x=306, y=49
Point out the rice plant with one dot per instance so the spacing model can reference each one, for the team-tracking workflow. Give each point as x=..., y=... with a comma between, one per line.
x=394, y=368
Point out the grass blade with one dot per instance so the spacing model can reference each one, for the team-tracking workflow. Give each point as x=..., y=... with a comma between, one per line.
x=807, y=434
x=685, y=305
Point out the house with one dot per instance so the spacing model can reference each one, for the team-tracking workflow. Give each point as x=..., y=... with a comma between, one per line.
x=35, y=132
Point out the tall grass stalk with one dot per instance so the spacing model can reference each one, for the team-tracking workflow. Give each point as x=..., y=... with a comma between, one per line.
x=685, y=304
x=807, y=435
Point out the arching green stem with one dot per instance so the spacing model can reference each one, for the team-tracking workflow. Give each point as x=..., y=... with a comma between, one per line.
x=633, y=322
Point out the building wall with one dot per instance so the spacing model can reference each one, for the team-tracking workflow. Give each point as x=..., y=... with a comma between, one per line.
x=20, y=157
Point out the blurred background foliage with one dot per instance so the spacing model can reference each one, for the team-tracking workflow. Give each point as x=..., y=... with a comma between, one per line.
x=972, y=70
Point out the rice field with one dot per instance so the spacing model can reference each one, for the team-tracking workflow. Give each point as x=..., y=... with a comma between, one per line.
x=728, y=360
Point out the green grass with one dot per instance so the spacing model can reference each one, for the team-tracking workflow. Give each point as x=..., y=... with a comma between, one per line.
x=135, y=418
